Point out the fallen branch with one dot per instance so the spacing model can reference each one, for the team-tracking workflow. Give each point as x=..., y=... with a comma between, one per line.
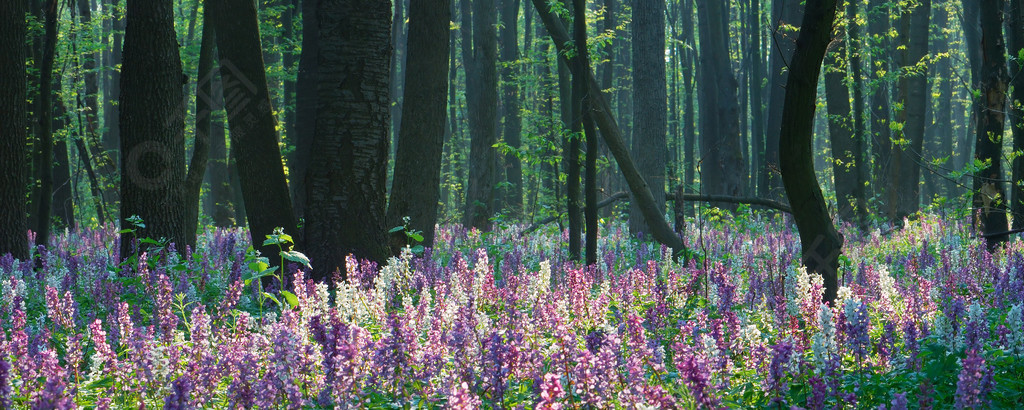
x=767, y=203
x=607, y=201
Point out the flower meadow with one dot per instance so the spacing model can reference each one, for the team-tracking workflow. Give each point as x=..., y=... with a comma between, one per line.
x=926, y=318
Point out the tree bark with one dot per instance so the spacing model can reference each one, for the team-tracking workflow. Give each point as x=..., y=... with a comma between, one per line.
x=881, y=134
x=201, y=147
x=861, y=166
x=254, y=140
x=990, y=108
x=1015, y=43
x=416, y=184
x=44, y=119
x=905, y=198
x=650, y=104
x=346, y=198
x=845, y=161
x=582, y=66
x=819, y=239
x=786, y=18
x=305, y=107
x=723, y=169
x=480, y=61
x=13, y=127
x=152, y=125
x=510, y=105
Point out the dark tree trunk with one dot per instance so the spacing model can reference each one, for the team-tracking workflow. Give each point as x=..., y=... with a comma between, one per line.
x=416, y=185
x=689, y=111
x=480, y=60
x=111, y=111
x=581, y=69
x=63, y=204
x=881, y=134
x=990, y=108
x=201, y=146
x=786, y=17
x=723, y=169
x=305, y=107
x=650, y=104
x=346, y=198
x=855, y=49
x=44, y=119
x=757, y=125
x=571, y=153
x=906, y=171
x=510, y=105
x=288, y=62
x=600, y=109
x=845, y=159
x=398, y=42
x=819, y=239
x=152, y=125
x=254, y=139
x=1015, y=42
x=13, y=127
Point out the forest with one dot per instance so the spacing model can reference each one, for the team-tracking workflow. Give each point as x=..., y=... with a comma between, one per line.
x=511, y=204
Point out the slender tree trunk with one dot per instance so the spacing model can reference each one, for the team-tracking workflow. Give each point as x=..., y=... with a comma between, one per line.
x=582, y=68
x=152, y=125
x=13, y=126
x=860, y=166
x=63, y=204
x=204, y=114
x=786, y=17
x=305, y=107
x=254, y=140
x=416, y=187
x=1015, y=42
x=509, y=36
x=650, y=101
x=112, y=111
x=345, y=206
x=904, y=199
x=881, y=134
x=840, y=128
x=819, y=239
x=689, y=110
x=571, y=154
x=480, y=61
x=44, y=117
x=289, y=58
x=756, y=69
x=989, y=192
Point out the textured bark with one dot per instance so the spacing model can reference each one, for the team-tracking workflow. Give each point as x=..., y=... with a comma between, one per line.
x=346, y=197
x=416, y=184
x=571, y=117
x=786, y=18
x=821, y=243
x=581, y=69
x=305, y=107
x=650, y=103
x=913, y=89
x=1015, y=43
x=600, y=109
x=251, y=119
x=510, y=105
x=840, y=129
x=482, y=99
x=13, y=126
x=152, y=125
x=860, y=165
x=723, y=169
x=989, y=201
x=881, y=134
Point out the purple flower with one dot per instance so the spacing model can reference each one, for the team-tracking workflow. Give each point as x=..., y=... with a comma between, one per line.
x=899, y=402
x=974, y=382
x=179, y=397
x=551, y=392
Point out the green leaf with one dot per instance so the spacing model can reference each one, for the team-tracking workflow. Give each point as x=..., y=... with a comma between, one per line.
x=290, y=298
x=414, y=236
x=297, y=257
x=418, y=249
x=271, y=297
x=151, y=241
x=397, y=229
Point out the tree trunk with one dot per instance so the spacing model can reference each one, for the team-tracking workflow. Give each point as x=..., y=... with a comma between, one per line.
x=840, y=129
x=906, y=171
x=254, y=140
x=756, y=70
x=511, y=106
x=582, y=67
x=112, y=112
x=819, y=239
x=346, y=198
x=989, y=193
x=44, y=118
x=305, y=107
x=722, y=166
x=201, y=146
x=881, y=134
x=1015, y=42
x=786, y=17
x=63, y=204
x=860, y=166
x=609, y=131
x=13, y=126
x=650, y=104
x=689, y=109
x=416, y=185
x=152, y=125
x=480, y=61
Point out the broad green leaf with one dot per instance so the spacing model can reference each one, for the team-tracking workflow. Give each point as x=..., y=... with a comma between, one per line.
x=290, y=298
x=297, y=257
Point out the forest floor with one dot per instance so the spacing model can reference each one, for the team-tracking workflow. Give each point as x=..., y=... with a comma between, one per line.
x=925, y=317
